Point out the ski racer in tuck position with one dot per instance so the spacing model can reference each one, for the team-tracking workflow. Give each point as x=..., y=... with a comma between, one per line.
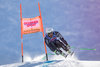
x=55, y=41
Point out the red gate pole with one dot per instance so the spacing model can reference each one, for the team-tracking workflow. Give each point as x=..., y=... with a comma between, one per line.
x=43, y=32
x=21, y=32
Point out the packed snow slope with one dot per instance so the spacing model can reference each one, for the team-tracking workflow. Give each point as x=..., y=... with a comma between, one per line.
x=54, y=61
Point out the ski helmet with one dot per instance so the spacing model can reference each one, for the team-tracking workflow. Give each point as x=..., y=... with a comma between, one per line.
x=49, y=30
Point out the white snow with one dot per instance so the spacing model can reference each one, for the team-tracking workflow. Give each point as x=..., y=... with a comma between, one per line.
x=55, y=61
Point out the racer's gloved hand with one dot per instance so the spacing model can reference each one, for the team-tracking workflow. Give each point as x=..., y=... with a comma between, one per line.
x=69, y=52
x=68, y=46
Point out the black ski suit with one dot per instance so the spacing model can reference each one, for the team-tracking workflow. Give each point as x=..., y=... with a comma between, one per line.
x=53, y=43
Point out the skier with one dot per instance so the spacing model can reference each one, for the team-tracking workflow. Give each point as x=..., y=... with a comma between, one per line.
x=55, y=41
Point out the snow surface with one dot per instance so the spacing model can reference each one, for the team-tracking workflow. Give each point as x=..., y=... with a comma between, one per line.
x=54, y=61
